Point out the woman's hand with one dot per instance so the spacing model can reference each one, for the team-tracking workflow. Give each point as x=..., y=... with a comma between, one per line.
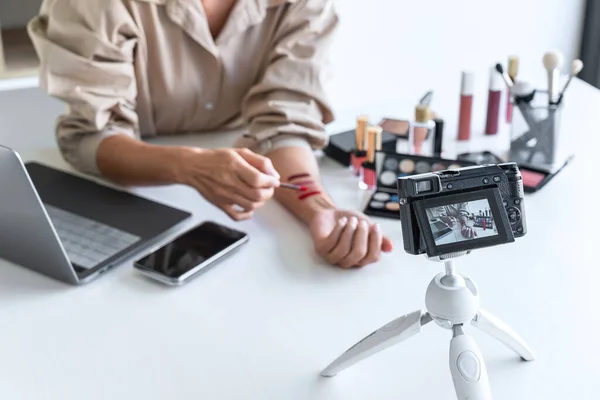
x=238, y=181
x=348, y=238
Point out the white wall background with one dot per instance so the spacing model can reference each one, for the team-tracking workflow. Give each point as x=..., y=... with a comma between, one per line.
x=396, y=50
x=16, y=13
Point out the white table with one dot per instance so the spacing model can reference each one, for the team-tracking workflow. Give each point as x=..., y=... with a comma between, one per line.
x=265, y=322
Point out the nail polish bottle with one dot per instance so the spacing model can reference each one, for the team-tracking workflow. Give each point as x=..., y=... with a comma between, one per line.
x=494, y=98
x=466, y=105
x=369, y=169
x=359, y=155
x=421, y=135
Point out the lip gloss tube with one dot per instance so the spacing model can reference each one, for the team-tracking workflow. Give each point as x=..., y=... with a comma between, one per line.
x=466, y=105
x=513, y=69
x=493, y=108
x=359, y=154
x=369, y=172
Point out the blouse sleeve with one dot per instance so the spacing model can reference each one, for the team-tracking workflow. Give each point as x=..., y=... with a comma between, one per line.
x=288, y=106
x=86, y=52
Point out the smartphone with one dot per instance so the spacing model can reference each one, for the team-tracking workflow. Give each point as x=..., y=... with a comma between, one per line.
x=190, y=253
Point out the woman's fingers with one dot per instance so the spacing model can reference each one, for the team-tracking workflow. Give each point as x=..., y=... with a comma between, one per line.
x=344, y=245
x=375, y=246
x=325, y=246
x=359, y=247
x=235, y=213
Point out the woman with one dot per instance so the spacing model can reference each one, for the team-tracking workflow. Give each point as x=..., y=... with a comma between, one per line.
x=130, y=69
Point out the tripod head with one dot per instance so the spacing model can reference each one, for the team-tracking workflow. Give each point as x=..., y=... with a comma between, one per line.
x=451, y=299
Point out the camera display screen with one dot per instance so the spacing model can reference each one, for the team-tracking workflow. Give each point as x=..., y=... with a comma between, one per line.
x=462, y=221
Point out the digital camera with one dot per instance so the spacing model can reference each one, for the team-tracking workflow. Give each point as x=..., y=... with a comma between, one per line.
x=461, y=209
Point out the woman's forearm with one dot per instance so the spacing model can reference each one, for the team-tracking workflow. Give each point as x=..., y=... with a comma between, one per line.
x=128, y=161
x=298, y=165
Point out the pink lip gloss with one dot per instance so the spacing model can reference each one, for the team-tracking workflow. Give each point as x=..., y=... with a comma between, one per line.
x=359, y=154
x=494, y=97
x=466, y=105
x=369, y=172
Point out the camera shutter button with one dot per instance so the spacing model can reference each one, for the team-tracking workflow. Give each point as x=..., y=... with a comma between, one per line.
x=486, y=181
x=449, y=186
x=496, y=179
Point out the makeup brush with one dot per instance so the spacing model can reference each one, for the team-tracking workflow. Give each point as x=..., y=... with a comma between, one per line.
x=293, y=187
x=553, y=62
x=513, y=68
x=507, y=79
x=576, y=67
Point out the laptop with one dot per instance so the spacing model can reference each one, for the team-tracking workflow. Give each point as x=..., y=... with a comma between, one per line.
x=70, y=228
x=439, y=229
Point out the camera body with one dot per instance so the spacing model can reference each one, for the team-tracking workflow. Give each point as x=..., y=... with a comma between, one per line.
x=462, y=209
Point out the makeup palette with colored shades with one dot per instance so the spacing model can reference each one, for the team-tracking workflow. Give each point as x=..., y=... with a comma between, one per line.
x=384, y=201
x=533, y=178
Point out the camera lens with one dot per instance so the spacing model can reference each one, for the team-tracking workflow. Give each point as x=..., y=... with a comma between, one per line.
x=423, y=186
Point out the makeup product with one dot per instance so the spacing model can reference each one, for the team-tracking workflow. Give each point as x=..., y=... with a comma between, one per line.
x=533, y=178
x=384, y=201
x=369, y=173
x=513, y=70
x=439, y=136
x=359, y=155
x=523, y=92
x=504, y=75
x=422, y=132
x=553, y=62
x=466, y=105
x=576, y=67
x=299, y=188
x=494, y=98
x=426, y=100
x=341, y=145
x=397, y=127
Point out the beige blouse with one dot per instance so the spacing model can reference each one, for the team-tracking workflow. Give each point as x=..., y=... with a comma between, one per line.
x=151, y=67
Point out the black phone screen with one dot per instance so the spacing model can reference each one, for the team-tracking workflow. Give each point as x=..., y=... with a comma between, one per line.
x=191, y=249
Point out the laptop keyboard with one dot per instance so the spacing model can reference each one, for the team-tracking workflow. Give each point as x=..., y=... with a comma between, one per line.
x=86, y=241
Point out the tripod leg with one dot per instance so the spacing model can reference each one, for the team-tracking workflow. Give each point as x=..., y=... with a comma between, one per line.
x=394, y=332
x=496, y=328
x=469, y=373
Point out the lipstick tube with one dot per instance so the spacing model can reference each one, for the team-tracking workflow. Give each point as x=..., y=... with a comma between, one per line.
x=513, y=69
x=493, y=108
x=359, y=154
x=369, y=172
x=466, y=105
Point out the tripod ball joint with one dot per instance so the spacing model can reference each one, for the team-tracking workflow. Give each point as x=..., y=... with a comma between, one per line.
x=451, y=301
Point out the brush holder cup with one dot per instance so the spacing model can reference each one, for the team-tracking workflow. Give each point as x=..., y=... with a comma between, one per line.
x=536, y=134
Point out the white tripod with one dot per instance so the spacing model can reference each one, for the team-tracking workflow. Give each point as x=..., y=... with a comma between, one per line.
x=452, y=300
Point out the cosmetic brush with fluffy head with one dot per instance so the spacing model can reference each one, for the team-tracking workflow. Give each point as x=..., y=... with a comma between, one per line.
x=576, y=67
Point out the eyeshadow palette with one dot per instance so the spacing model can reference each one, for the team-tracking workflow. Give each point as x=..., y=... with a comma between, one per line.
x=390, y=165
x=533, y=178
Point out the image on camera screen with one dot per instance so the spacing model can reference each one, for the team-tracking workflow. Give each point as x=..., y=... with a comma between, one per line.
x=459, y=222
